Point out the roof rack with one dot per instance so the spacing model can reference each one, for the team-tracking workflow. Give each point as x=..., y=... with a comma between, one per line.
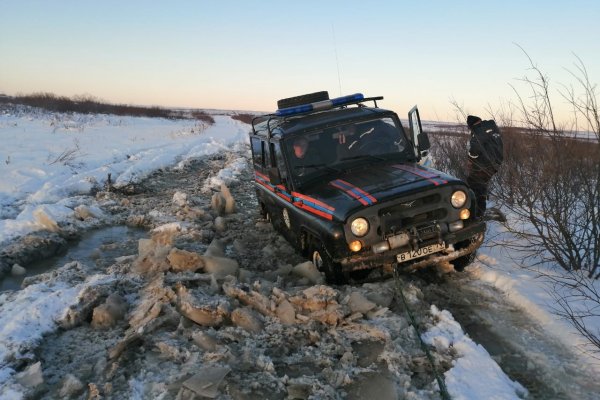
x=325, y=105
x=305, y=109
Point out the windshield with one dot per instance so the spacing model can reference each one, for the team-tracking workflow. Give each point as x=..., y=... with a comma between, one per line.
x=343, y=146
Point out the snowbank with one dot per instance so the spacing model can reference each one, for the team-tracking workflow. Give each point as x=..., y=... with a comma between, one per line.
x=49, y=158
x=474, y=375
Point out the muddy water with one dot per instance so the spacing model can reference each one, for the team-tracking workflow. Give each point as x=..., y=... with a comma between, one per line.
x=522, y=348
x=98, y=247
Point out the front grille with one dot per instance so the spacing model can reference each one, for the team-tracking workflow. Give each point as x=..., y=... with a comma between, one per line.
x=433, y=215
x=413, y=204
x=413, y=212
x=396, y=223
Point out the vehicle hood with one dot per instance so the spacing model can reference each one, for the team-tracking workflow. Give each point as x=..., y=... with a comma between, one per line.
x=344, y=194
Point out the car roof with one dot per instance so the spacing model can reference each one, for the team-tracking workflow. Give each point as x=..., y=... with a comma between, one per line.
x=297, y=124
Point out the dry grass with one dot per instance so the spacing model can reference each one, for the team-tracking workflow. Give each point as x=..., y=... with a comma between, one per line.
x=91, y=105
x=245, y=118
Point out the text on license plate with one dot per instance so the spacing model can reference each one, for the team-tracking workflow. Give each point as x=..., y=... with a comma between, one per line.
x=422, y=252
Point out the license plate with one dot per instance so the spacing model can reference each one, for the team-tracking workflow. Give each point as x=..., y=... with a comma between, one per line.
x=422, y=252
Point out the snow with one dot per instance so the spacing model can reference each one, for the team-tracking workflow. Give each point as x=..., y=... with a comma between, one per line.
x=52, y=163
x=530, y=289
x=50, y=157
x=474, y=374
x=26, y=315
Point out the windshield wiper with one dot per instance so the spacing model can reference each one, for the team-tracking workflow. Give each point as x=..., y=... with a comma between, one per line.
x=368, y=156
x=325, y=166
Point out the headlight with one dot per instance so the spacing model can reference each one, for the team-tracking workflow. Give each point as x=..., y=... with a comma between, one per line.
x=359, y=227
x=459, y=198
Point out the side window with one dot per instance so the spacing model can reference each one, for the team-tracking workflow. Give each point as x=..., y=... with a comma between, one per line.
x=266, y=159
x=278, y=160
x=257, y=153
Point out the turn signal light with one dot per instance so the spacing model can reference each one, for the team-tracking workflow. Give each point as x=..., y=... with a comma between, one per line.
x=355, y=246
x=464, y=213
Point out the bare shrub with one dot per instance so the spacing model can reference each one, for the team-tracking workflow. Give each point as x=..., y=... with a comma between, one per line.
x=87, y=104
x=449, y=152
x=67, y=156
x=549, y=185
x=578, y=301
x=244, y=117
x=203, y=116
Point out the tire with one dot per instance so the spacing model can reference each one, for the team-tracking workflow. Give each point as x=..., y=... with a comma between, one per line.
x=324, y=263
x=264, y=213
x=461, y=262
x=361, y=274
x=303, y=99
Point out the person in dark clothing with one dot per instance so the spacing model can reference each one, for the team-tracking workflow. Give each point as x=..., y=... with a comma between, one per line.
x=485, y=157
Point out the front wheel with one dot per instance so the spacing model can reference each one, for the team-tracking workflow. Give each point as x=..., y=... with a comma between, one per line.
x=324, y=263
x=461, y=262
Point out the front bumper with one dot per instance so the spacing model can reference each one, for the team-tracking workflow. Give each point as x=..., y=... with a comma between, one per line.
x=473, y=234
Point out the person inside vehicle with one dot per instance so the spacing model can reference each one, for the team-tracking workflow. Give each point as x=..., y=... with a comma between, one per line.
x=306, y=157
x=300, y=147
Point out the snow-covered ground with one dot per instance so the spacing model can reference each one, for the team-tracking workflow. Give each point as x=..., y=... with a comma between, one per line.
x=50, y=158
x=51, y=164
x=534, y=290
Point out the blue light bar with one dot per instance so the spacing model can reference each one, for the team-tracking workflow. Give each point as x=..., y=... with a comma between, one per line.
x=339, y=101
x=320, y=105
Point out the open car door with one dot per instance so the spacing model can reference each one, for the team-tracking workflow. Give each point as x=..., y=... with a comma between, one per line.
x=419, y=138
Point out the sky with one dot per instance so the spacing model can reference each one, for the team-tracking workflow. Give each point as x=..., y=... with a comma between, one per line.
x=245, y=55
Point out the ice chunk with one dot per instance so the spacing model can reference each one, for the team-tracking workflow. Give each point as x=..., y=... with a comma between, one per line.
x=84, y=212
x=215, y=249
x=247, y=319
x=228, y=198
x=32, y=376
x=359, y=303
x=379, y=385
x=286, y=312
x=205, y=340
x=17, y=270
x=220, y=267
x=217, y=202
x=309, y=271
x=245, y=275
x=180, y=199
x=205, y=314
x=182, y=260
x=220, y=224
x=206, y=381
x=107, y=314
x=152, y=259
x=71, y=387
x=45, y=219
x=145, y=246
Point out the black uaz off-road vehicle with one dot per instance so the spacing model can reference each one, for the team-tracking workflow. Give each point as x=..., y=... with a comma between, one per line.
x=342, y=182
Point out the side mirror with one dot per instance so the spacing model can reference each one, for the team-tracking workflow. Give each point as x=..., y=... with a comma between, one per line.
x=274, y=176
